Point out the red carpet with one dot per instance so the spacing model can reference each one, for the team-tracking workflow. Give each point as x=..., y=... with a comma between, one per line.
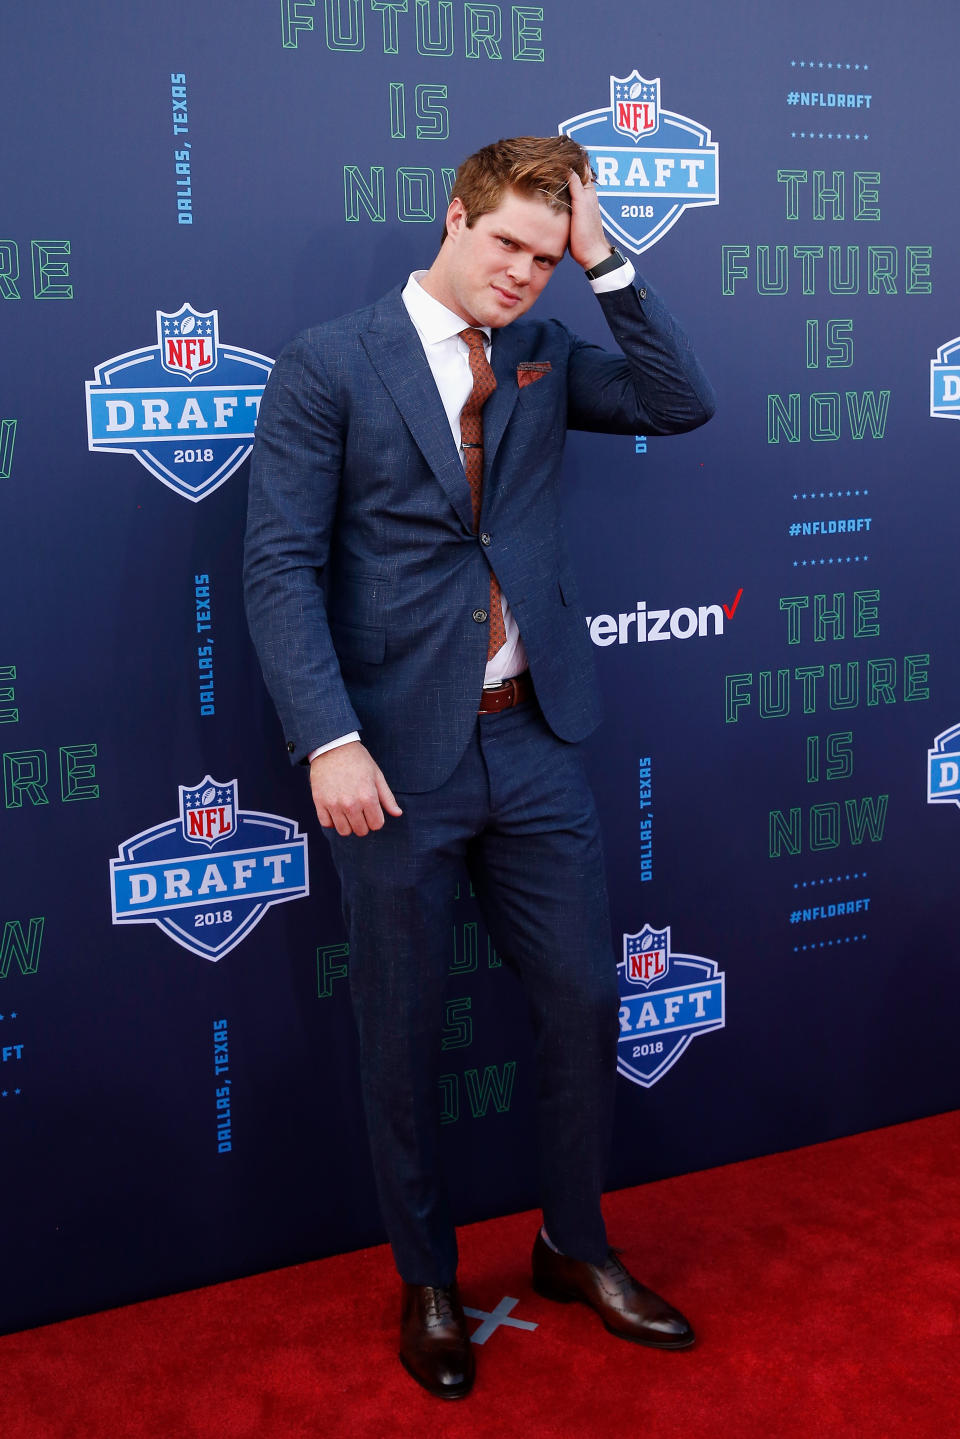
x=824, y=1285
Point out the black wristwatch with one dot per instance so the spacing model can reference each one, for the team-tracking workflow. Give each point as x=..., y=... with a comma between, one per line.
x=613, y=262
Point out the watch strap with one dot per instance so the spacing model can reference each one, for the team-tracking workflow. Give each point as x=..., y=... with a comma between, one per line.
x=613, y=262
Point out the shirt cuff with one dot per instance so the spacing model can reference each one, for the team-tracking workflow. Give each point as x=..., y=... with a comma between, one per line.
x=617, y=279
x=334, y=744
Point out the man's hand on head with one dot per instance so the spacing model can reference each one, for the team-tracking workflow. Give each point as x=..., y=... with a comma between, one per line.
x=588, y=244
x=349, y=790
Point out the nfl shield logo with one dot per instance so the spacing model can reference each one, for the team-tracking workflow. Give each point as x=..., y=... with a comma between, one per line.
x=635, y=105
x=188, y=341
x=646, y=955
x=208, y=811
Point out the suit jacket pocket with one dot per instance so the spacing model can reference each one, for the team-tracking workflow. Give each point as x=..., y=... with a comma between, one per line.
x=358, y=643
x=541, y=410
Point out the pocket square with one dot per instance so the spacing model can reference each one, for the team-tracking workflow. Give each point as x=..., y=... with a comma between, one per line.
x=531, y=370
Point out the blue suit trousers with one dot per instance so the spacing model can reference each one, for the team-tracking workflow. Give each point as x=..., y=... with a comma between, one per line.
x=518, y=811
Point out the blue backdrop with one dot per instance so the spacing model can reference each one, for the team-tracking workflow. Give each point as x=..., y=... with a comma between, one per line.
x=771, y=599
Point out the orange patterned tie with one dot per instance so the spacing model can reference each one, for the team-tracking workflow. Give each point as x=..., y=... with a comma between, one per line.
x=471, y=438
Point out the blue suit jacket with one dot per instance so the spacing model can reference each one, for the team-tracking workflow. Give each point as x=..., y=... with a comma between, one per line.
x=363, y=570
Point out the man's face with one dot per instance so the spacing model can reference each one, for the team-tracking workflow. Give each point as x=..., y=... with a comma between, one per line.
x=491, y=272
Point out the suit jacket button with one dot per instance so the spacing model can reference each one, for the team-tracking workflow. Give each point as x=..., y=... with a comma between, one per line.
x=486, y=539
x=290, y=746
x=479, y=616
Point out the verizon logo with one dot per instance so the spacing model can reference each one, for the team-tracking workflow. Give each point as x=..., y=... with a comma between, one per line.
x=641, y=626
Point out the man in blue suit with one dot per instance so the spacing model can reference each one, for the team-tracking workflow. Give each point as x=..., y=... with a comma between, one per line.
x=413, y=606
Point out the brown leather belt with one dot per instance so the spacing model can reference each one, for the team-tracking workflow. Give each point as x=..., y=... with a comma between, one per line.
x=503, y=696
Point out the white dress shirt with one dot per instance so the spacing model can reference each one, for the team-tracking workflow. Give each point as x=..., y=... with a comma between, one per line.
x=448, y=357
x=449, y=361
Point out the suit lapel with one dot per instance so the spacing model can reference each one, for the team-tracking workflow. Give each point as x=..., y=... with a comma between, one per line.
x=505, y=354
x=397, y=355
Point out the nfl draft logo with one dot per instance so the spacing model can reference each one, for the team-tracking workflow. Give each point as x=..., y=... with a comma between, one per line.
x=945, y=382
x=208, y=876
x=651, y=164
x=666, y=1000
x=943, y=768
x=186, y=407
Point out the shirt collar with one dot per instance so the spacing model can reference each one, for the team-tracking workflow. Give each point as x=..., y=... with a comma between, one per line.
x=432, y=321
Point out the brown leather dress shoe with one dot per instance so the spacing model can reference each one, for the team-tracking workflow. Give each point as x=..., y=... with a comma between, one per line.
x=627, y=1308
x=435, y=1346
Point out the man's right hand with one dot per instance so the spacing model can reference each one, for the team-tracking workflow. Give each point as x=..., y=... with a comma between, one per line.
x=349, y=790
